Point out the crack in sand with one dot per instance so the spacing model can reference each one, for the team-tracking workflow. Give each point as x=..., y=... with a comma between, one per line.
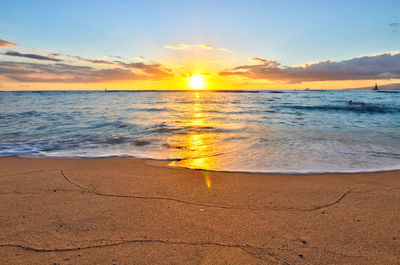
x=329, y=204
x=243, y=247
x=204, y=204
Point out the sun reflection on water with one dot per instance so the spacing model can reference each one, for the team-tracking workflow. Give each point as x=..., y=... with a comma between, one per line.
x=198, y=148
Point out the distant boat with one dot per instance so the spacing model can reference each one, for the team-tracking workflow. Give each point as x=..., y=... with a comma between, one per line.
x=376, y=87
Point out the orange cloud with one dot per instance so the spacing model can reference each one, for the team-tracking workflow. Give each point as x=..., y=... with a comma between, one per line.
x=204, y=46
x=4, y=43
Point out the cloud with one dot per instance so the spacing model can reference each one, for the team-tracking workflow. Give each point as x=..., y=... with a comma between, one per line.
x=204, y=46
x=184, y=46
x=258, y=60
x=154, y=69
x=223, y=50
x=264, y=61
x=66, y=73
x=381, y=66
x=4, y=43
x=100, y=62
x=97, y=61
x=58, y=68
x=32, y=56
x=181, y=46
x=395, y=26
x=116, y=56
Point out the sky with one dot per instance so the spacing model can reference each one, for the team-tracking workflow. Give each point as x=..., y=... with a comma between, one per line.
x=53, y=45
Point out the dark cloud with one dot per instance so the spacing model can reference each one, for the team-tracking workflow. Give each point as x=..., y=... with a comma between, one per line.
x=91, y=61
x=395, y=26
x=32, y=56
x=259, y=60
x=65, y=73
x=116, y=56
x=155, y=69
x=262, y=61
x=100, y=62
x=4, y=43
x=383, y=66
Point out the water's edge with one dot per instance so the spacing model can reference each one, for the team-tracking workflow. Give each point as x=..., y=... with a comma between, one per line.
x=272, y=172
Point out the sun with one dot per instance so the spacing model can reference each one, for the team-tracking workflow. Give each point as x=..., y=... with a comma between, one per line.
x=197, y=82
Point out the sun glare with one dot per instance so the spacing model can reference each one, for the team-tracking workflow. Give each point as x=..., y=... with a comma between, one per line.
x=197, y=82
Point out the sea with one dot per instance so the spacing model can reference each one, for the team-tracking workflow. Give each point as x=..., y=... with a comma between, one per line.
x=283, y=131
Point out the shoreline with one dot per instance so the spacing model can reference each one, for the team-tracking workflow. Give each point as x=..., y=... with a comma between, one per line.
x=168, y=161
x=132, y=211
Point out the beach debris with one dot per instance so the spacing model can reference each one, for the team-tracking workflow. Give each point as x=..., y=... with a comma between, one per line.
x=303, y=241
x=300, y=255
x=202, y=210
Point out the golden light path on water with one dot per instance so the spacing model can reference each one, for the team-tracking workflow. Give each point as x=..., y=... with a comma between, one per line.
x=200, y=147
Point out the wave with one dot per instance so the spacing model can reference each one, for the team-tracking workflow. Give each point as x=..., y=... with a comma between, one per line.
x=155, y=109
x=355, y=107
x=383, y=154
x=17, y=115
x=388, y=91
x=227, y=112
x=300, y=171
x=275, y=92
x=116, y=140
x=35, y=151
x=121, y=124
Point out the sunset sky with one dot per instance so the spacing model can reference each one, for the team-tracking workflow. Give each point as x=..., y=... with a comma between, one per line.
x=53, y=45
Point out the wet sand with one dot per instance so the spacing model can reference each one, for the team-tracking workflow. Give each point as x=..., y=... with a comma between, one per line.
x=132, y=211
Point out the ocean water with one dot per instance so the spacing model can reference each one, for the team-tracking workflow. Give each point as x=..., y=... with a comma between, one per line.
x=268, y=131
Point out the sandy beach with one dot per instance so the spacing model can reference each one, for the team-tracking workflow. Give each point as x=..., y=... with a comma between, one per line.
x=132, y=211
